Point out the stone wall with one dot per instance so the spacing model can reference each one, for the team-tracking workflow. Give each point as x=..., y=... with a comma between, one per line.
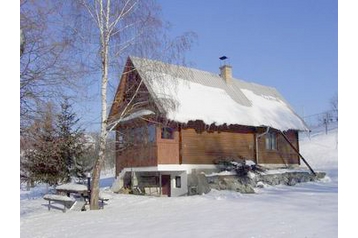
x=246, y=184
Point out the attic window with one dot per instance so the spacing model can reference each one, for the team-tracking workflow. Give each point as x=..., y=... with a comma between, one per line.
x=271, y=141
x=167, y=133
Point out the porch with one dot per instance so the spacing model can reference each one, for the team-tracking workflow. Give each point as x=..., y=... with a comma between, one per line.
x=157, y=183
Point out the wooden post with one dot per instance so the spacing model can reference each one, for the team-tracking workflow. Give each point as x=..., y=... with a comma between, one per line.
x=89, y=186
x=289, y=142
x=180, y=145
x=160, y=184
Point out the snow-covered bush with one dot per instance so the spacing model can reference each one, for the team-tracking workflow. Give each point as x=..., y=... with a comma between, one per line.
x=240, y=165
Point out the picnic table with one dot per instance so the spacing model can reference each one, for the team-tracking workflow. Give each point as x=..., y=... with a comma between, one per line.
x=73, y=188
x=78, y=191
x=77, y=201
x=67, y=202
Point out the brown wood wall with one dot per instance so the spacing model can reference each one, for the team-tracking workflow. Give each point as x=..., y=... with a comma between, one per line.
x=168, y=149
x=163, y=151
x=137, y=157
x=205, y=147
x=284, y=153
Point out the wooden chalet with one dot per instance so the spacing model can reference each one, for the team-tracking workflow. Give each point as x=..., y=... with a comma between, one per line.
x=172, y=121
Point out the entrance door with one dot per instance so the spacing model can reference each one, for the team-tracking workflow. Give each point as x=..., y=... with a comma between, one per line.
x=166, y=185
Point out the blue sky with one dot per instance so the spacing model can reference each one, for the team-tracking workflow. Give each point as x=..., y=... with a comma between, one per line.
x=290, y=45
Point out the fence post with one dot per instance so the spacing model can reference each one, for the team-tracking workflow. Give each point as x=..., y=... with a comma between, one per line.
x=89, y=186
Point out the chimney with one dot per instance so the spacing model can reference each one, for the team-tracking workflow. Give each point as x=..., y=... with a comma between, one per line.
x=226, y=73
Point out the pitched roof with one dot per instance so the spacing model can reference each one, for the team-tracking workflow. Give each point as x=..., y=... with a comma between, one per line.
x=201, y=95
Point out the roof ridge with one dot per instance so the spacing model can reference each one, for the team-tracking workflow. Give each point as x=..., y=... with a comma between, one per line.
x=197, y=70
x=172, y=64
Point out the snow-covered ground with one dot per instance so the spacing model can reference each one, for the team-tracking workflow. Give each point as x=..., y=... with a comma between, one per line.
x=304, y=210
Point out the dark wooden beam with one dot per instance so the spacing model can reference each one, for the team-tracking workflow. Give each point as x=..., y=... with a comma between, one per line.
x=294, y=148
x=180, y=145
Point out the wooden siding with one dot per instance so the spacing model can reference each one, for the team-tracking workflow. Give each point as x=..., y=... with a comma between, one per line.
x=131, y=85
x=119, y=96
x=136, y=157
x=167, y=149
x=284, y=153
x=205, y=147
x=162, y=151
x=142, y=155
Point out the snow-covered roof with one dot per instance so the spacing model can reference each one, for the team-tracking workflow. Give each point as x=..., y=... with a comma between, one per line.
x=200, y=95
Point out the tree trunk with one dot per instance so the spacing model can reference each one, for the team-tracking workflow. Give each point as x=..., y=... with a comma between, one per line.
x=98, y=166
x=104, y=35
x=102, y=144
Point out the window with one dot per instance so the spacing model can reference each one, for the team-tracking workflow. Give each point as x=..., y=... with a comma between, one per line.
x=177, y=182
x=151, y=133
x=141, y=135
x=120, y=142
x=167, y=133
x=271, y=141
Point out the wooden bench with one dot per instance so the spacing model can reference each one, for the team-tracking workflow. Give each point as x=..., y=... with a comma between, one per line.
x=67, y=202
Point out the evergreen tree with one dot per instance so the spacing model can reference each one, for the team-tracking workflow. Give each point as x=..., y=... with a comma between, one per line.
x=42, y=160
x=55, y=150
x=71, y=140
x=84, y=163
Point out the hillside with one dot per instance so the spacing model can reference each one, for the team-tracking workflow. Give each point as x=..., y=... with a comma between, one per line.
x=321, y=150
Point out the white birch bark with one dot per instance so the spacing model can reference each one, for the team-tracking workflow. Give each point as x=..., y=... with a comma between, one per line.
x=105, y=26
x=103, y=23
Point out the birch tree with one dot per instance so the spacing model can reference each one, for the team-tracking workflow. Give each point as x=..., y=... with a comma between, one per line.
x=124, y=26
